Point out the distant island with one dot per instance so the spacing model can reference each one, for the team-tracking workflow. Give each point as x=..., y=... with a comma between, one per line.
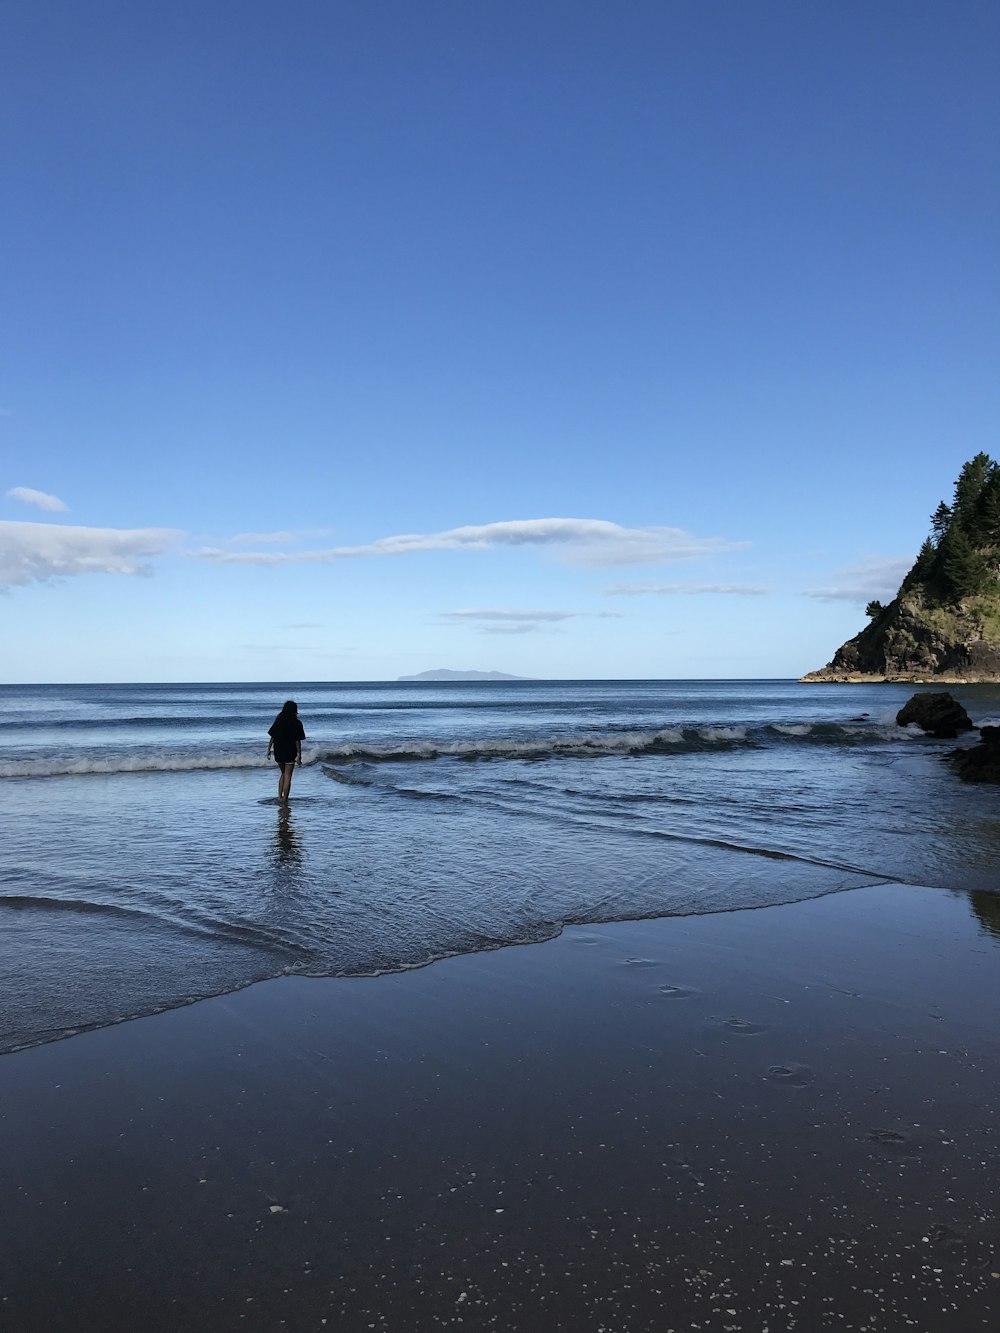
x=444, y=674
x=943, y=625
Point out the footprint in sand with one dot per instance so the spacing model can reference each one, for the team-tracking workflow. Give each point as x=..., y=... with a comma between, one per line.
x=641, y=962
x=741, y=1027
x=893, y=1141
x=946, y=1238
x=676, y=992
x=791, y=1076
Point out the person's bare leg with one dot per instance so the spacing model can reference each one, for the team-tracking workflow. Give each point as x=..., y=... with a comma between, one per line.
x=281, y=782
x=285, y=785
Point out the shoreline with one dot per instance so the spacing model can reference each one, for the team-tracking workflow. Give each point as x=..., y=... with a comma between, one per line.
x=860, y=678
x=778, y=1116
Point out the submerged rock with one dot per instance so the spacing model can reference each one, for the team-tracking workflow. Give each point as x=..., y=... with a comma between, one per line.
x=981, y=763
x=937, y=714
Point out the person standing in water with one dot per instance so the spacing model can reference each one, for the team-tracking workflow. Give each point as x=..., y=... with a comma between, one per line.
x=287, y=734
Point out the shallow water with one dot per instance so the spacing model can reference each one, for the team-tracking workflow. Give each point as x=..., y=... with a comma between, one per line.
x=148, y=864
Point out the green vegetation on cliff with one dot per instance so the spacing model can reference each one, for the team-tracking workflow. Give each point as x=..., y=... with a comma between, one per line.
x=945, y=619
x=960, y=557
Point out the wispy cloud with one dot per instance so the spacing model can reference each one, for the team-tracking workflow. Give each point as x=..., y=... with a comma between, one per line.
x=874, y=576
x=277, y=538
x=536, y=616
x=30, y=552
x=276, y=647
x=589, y=541
x=258, y=538
x=689, y=589
x=37, y=498
x=310, y=649
x=502, y=621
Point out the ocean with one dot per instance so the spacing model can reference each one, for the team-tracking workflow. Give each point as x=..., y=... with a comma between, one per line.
x=147, y=862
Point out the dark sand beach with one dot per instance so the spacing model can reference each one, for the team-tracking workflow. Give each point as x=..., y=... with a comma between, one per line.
x=773, y=1119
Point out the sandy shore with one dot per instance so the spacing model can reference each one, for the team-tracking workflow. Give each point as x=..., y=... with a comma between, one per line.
x=780, y=1119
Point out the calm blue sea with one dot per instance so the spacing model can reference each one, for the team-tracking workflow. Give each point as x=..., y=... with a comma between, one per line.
x=147, y=863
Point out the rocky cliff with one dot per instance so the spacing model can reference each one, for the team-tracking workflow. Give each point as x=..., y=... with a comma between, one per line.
x=944, y=623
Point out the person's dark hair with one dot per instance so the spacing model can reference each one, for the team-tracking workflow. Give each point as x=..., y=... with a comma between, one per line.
x=289, y=711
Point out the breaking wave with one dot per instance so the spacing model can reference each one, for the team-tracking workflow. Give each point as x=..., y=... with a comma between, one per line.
x=131, y=762
x=626, y=744
x=604, y=744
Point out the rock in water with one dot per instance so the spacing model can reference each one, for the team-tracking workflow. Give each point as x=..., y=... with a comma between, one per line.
x=938, y=714
x=982, y=762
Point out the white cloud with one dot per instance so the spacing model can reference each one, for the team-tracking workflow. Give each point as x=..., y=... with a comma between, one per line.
x=590, y=541
x=282, y=538
x=258, y=538
x=503, y=621
x=875, y=576
x=276, y=647
x=33, y=551
x=536, y=617
x=38, y=498
x=694, y=589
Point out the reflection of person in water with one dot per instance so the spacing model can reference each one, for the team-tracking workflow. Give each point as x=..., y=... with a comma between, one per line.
x=286, y=843
x=287, y=734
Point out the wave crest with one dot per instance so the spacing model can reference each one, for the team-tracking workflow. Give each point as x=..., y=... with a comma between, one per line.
x=87, y=765
x=622, y=743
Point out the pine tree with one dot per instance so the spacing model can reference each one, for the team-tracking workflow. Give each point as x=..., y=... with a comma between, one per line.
x=940, y=522
x=958, y=560
x=925, y=559
x=968, y=488
x=922, y=568
x=964, y=570
x=874, y=608
x=988, y=510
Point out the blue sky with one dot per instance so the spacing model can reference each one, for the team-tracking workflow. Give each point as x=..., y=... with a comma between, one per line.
x=714, y=285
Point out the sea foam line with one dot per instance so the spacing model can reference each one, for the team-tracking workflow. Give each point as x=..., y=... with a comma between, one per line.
x=663, y=740
x=127, y=763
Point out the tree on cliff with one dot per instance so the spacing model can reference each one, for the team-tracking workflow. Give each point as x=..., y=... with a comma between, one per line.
x=964, y=570
x=922, y=566
x=968, y=489
x=946, y=616
x=960, y=557
x=988, y=509
x=939, y=522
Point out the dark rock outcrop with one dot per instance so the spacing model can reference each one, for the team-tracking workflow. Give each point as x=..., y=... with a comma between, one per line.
x=938, y=714
x=911, y=639
x=944, y=622
x=981, y=763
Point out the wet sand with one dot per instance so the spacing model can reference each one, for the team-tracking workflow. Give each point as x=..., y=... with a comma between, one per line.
x=779, y=1119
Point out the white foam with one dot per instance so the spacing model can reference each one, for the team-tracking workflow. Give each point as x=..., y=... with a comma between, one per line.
x=586, y=745
x=607, y=743
x=723, y=733
x=124, y=763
